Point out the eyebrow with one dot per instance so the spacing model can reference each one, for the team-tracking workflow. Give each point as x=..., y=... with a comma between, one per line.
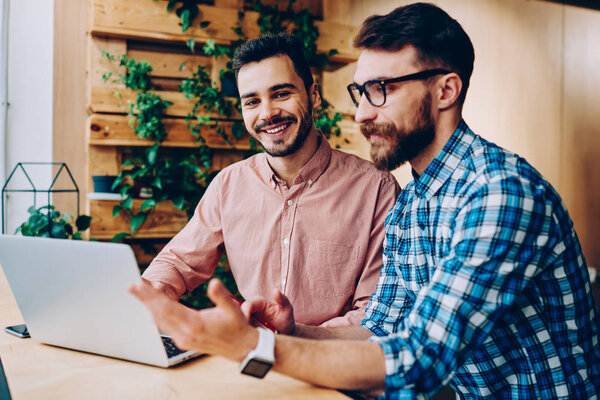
x=271, y=89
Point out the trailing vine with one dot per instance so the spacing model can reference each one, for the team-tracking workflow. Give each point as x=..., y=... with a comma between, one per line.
x=182, y=182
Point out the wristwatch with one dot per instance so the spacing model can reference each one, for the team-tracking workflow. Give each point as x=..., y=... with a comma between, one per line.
x=260, y=360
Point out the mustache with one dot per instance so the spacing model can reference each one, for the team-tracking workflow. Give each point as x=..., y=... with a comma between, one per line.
x=386, y=129
x=276, y=120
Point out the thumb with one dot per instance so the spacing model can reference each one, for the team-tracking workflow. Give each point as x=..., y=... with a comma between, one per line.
x=280, y=299
x=218, y=294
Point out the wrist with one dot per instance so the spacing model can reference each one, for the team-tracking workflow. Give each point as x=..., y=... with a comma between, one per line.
x=247, y=344
x=262, y=358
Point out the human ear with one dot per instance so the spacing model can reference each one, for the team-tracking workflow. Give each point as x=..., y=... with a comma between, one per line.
x=315, y=96
x=450, y=86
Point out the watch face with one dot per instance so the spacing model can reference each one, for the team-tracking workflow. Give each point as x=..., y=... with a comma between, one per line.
x=257, y=368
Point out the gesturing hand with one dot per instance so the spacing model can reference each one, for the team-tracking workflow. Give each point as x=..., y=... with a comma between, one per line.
x=279, y=312
x=222, y=330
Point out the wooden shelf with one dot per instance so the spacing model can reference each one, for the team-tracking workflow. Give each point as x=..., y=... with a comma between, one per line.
x=164, y=221
x=150, y=20
x=114, y=130
x=116, y=101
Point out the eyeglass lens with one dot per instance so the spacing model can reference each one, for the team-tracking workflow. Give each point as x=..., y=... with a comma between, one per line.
x=374, y=91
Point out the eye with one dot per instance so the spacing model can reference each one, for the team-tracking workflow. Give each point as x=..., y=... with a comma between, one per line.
x=250, y=103
x=282, y=94
x=374, y=87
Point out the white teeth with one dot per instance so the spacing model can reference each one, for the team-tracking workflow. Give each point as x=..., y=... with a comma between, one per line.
x=278, y=129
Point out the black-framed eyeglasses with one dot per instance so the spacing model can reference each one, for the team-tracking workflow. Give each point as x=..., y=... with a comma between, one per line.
x=375, y=89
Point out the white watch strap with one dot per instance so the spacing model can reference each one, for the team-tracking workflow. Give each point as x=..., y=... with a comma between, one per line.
x=266, y=345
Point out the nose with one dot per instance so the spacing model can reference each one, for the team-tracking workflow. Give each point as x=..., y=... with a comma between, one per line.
x=365, y=111
x=268, y=110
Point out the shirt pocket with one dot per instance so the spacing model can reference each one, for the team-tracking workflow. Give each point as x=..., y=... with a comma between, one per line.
x=331, y=268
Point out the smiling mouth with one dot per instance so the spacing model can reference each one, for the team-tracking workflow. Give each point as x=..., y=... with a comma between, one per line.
x=277, y=129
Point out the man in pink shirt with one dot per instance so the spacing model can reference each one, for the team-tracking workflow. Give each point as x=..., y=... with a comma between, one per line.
x=300, y=218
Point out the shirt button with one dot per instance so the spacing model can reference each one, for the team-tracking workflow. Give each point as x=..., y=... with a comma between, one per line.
x=286, y=241
x=310, y=181
x=290, y=202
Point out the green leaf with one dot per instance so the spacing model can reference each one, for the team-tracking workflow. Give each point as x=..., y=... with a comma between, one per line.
x=182, y=66
x=150, y=203
x=151, y=154
x=191, y=44
x=185, y=20
x=120, y=236
x=138, y=220
x=127, y=203
x=116, y=210
x=157, y=183
x=83, y=222
x=178, y=201
x=58, y=231
x=237, y=129
x=209, y=47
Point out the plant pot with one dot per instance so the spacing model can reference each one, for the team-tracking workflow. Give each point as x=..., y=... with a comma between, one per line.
x=103, y=183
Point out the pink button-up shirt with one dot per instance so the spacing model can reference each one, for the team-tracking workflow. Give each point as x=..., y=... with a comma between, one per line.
x=319, y=241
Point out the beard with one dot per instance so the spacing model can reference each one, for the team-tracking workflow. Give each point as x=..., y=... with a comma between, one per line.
x=401, y=145
x=279, y=148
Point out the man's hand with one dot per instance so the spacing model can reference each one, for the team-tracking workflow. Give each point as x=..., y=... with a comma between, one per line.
x=222, y=330
x=279, y=312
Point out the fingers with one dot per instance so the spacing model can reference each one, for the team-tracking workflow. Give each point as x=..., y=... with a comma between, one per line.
x=144, y=291
x=281, y=299
x=218, y=294
x=254, y=307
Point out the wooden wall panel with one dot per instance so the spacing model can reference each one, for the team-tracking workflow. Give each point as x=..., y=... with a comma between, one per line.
x=580, y=163
x=69, y=95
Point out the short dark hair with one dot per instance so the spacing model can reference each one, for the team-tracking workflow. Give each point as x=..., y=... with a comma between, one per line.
x=438, y=38
x=270, y=46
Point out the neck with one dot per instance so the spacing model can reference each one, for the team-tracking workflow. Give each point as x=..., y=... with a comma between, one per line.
x=444, y=127
x=288, y=167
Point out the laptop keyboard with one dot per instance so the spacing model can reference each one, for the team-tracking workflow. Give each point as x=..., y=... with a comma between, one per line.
x=172, y=350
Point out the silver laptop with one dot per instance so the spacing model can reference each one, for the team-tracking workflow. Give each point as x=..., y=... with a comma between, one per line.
x=73, y=294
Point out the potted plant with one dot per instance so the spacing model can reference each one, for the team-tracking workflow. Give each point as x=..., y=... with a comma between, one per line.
x=48, y=222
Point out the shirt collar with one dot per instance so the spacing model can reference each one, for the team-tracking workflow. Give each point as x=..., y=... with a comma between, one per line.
x=441, y=168
x=310, y=172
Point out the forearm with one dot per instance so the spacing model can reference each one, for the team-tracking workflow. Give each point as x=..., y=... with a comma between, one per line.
x=352, y=317
x=339, y=364
x=353, y=332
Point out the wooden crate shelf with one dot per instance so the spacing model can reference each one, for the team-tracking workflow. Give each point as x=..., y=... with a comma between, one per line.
x=114, y=130
x=149, y=20
x=143, y=30
x=116, y=101
x=164, y=221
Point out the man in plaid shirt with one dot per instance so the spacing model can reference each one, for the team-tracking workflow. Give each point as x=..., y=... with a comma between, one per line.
x=484, y=285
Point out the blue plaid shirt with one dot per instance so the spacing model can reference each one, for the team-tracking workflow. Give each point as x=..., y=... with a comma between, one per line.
x=484, y=285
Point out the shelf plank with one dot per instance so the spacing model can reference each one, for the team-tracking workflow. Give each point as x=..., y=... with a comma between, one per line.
x=114, y=130
x=142, y=19
x=116, y=101
x=164, y=222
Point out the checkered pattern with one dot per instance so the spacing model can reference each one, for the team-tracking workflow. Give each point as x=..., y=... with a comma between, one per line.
x=484, y=285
